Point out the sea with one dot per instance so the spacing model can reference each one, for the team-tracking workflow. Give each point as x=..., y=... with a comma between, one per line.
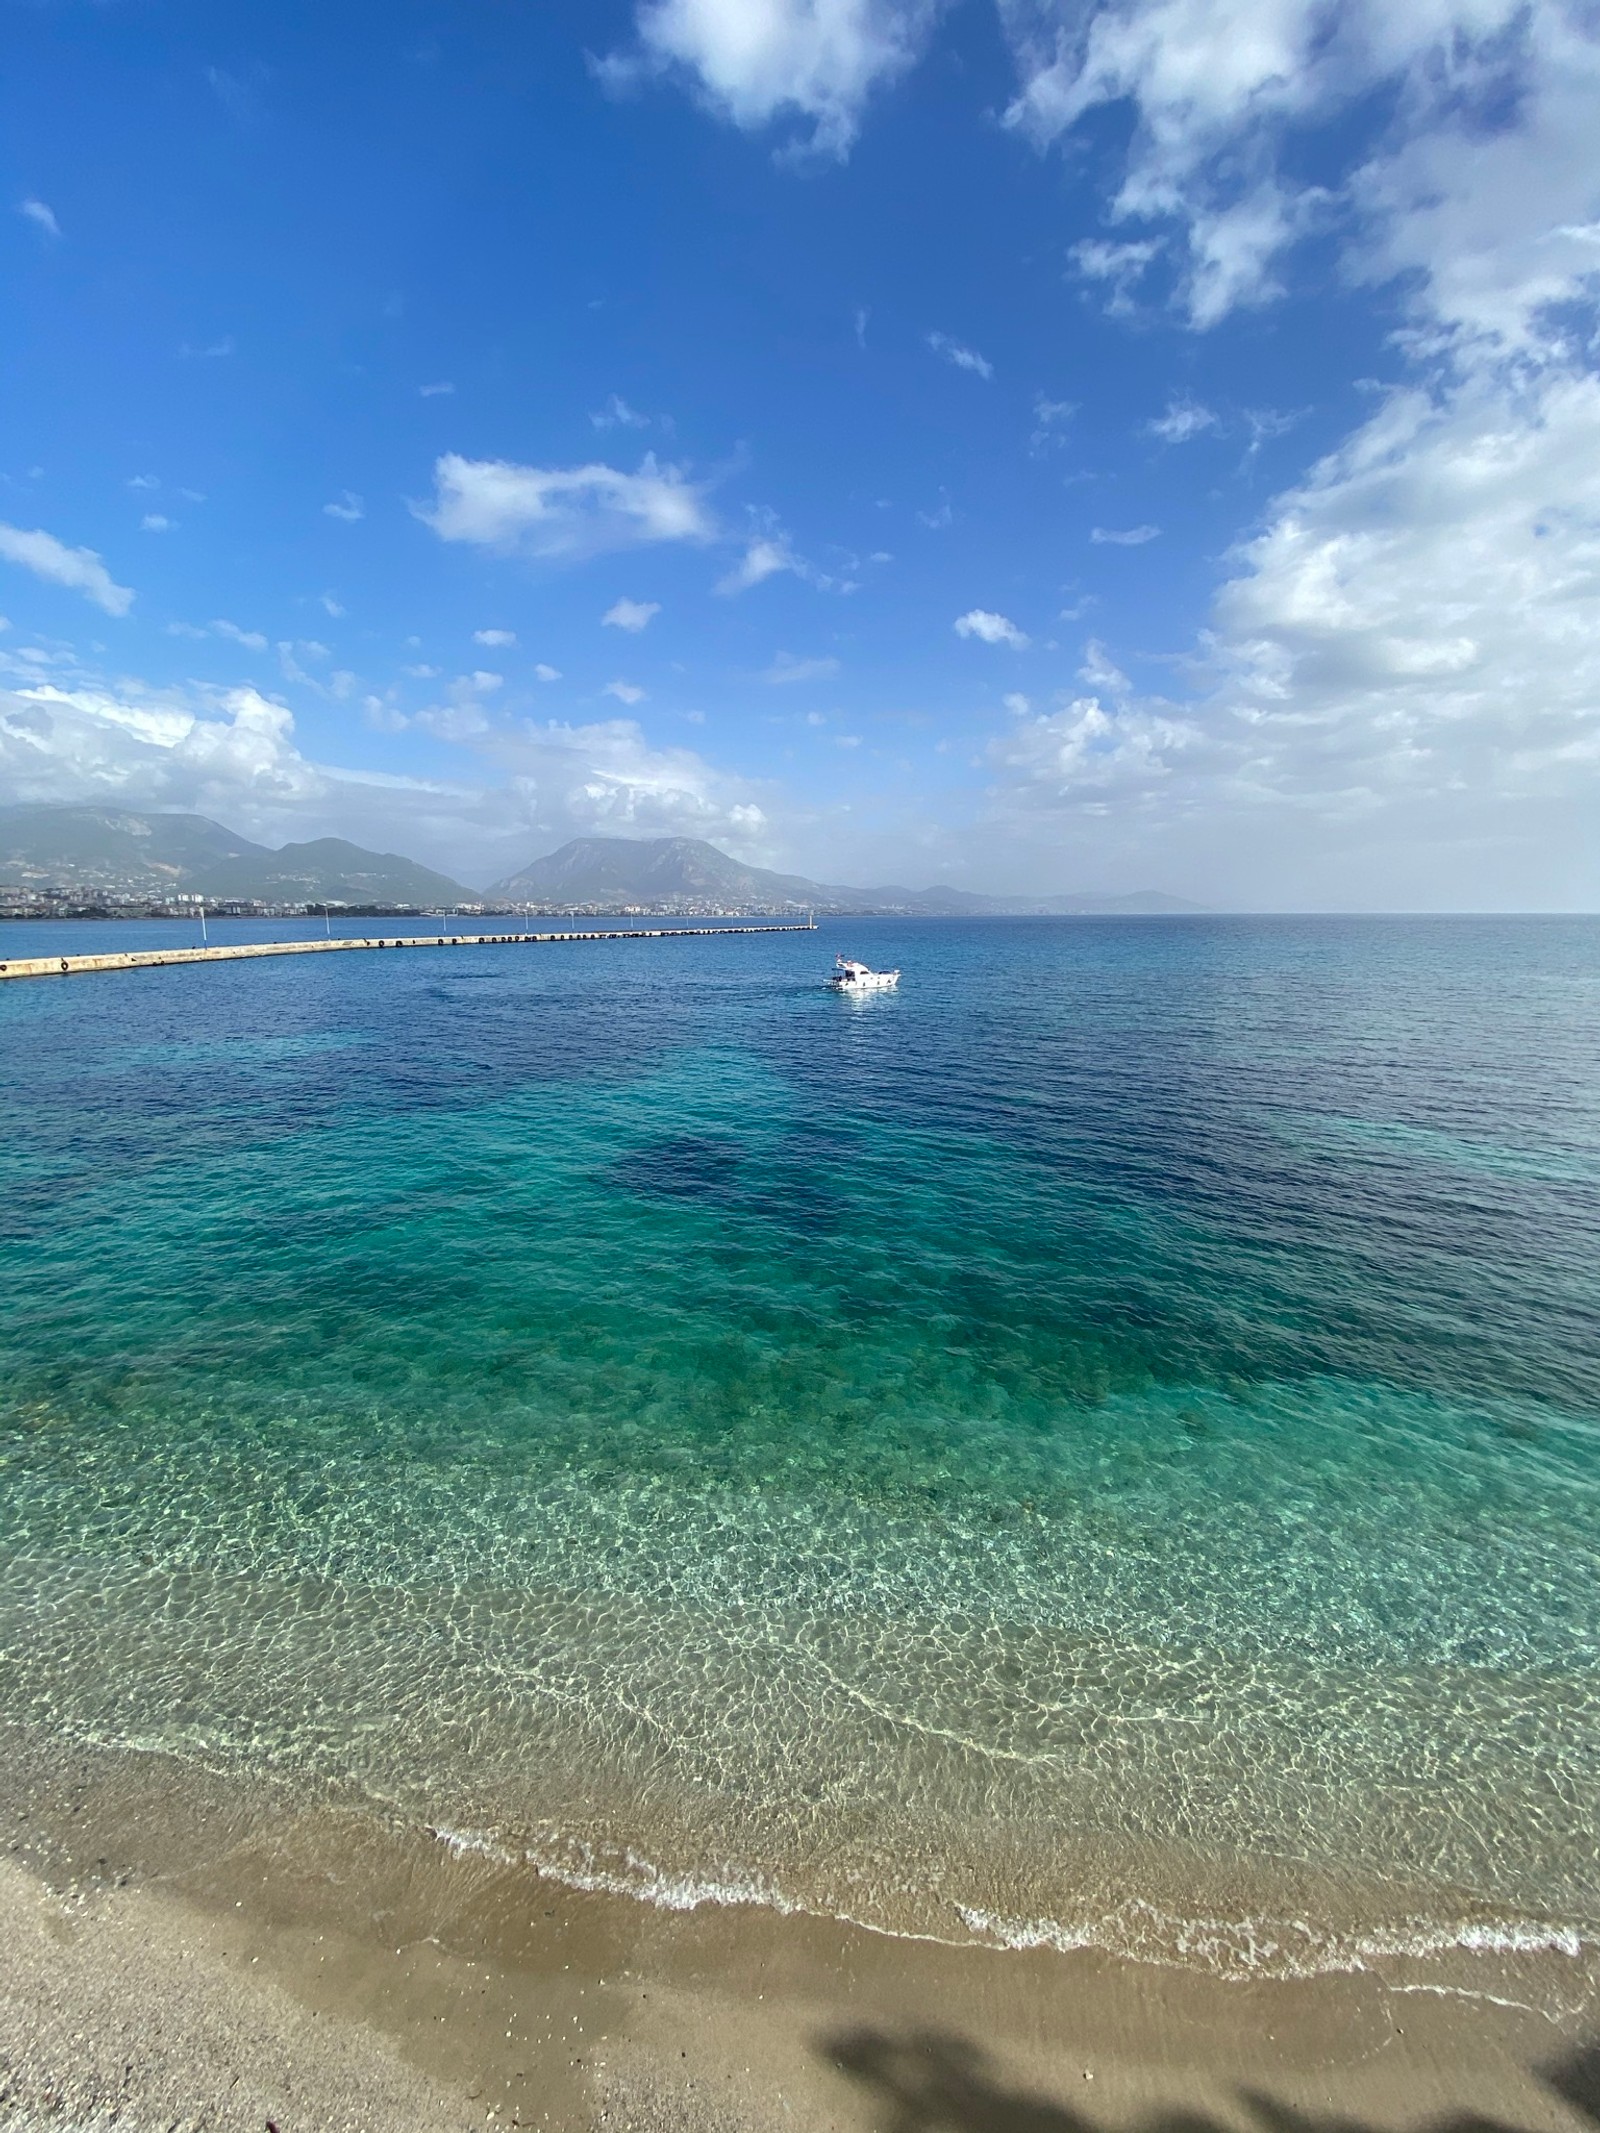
x=1096, y=1448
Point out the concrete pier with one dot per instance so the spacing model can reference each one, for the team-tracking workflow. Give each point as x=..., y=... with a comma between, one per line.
x=67, y=966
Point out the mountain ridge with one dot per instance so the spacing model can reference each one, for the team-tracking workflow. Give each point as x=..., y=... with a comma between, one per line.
x=154, y=853
x=587, y=870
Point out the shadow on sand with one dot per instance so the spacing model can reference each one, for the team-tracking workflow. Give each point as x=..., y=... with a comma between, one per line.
x=926, y=2081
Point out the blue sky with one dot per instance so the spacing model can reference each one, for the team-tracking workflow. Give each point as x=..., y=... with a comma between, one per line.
x=1035, y=447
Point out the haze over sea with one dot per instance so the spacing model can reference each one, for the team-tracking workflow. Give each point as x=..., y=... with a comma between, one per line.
x=1100, y=1446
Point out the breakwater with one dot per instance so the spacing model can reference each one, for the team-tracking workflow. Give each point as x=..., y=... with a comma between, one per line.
x=66, y=966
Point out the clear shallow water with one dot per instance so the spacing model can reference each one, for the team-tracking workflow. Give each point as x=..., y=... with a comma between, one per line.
x=1099, y=1446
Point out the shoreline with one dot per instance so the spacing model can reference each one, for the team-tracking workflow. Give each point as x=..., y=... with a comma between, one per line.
x=180, y=1948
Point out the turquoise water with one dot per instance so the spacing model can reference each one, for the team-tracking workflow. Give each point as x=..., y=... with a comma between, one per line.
x=1099, y=1446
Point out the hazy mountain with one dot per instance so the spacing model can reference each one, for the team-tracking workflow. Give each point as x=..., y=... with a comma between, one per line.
x=639, y=870
x=657, y=870
x=111, y=848
x=98, y=849
x=328, y=870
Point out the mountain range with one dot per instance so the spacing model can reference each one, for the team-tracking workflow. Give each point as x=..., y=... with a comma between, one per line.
x=101, y=850
x=109, y=850
x=646, y=870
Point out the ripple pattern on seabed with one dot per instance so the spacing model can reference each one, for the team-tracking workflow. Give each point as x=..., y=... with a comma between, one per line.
x=1099, y=1447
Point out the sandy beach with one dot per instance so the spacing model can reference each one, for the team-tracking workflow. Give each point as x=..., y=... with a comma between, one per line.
x=177, y=1953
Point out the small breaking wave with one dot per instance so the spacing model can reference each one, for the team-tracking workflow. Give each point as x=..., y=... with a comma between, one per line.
x=1238, y=1950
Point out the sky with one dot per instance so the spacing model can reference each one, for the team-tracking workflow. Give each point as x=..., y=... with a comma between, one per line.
x=1032, y=445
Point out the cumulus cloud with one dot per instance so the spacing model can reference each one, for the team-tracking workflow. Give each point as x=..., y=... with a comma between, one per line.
x=1101, y=672
x=1419, y=613
x=542, y=672
x=156, y=522
x=990, y=628
x=765, y=556
x=496, y=640
x=1477, y=188
x=608, y=778
x=626, y=692
x=754, y=61
x=348, y=506
x=440, y=388
x=1402, y=679
x=1083, y=758
x=41, y=216
x=79, y=569
x=233, y=754
x=962, y=357
x=1183, y=421
x=630, y=615
x=563, y=512
x=149, y=747
x=1124, y=537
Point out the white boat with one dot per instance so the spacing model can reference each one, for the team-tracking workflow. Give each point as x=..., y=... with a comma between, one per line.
x=861, y=977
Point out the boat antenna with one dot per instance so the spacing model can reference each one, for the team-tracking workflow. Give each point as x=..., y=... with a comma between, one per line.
x=203, y=941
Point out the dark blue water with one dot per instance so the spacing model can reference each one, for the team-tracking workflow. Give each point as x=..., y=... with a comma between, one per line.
x=1099, y=1445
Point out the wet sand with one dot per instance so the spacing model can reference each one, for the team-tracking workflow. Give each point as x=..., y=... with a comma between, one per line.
x=178, y=1952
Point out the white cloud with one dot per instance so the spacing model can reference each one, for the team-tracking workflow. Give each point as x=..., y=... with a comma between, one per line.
x=496, y=640
x=1478, y=187
x=330, y=606
x=1419, y=614
x=609, y=778
x=1050, y=419
x=786, y=668
x=546, y=673
x=486, y=683
x=208, y=351
x=563, y=512
x=1082, y=758
x=764, y=557
x=617, y=414
x=626, y=692
x=990, y=628
x=41, y=216
x=1127, y=537
x=251, y=640
x=757, y=60
x=144, y=481
x=79, y=569
x=233, y=754
x=155, y=522
x=1100, y=672
x=349, y=507
x=154, y=747
x=1404, y=695
x=963, y=358
x=1017, y=703
x=441, y=386
x=630, y=615
x=1183, y=421
x=1117, y=268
